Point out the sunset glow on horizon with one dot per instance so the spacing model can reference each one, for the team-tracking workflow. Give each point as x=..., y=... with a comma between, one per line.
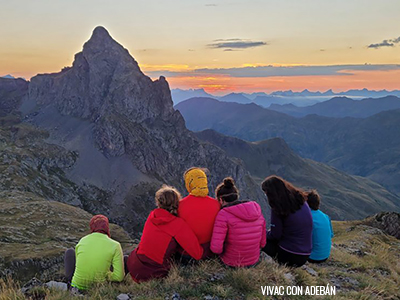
x=223, y=46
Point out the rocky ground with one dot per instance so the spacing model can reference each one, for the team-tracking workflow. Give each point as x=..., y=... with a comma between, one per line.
x=365, y=264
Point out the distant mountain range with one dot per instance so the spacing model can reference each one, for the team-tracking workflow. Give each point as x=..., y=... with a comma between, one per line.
x=340, y=107
x=303, y=98
x=367, y=147
x=8, y=76
x=179, y=95
x=340, y=192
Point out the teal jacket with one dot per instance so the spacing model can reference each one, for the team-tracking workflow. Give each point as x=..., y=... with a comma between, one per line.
x=95, y=254
x=321, y=235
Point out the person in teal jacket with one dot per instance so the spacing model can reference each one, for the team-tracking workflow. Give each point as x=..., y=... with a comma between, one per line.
x=322, y=233
x=96, y=257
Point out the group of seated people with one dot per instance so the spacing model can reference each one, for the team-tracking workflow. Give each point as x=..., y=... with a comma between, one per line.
x=200, y=227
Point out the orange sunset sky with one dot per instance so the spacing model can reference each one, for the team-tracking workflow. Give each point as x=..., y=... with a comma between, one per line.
x=221, y=46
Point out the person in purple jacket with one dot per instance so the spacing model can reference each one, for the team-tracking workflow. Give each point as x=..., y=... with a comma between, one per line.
x=289, y=240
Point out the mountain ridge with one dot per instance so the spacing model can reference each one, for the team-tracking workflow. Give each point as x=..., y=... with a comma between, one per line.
x=340, y=192
x=366, y=147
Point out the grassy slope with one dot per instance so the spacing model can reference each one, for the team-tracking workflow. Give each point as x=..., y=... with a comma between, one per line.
x=33, y=229
x=365, y=263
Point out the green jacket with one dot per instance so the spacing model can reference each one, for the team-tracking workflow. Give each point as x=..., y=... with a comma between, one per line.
x=95, y=253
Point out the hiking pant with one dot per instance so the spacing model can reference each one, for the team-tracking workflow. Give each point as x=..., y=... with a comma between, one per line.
x=284, y=257
x=316, y=261
x=70, y=260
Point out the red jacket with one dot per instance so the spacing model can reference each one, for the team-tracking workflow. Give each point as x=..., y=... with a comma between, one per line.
x=239, y=233
x=200, y=213
x=163, y=233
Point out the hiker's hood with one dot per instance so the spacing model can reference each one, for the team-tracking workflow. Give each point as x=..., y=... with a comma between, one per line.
x=247, y=211
x=160, y=216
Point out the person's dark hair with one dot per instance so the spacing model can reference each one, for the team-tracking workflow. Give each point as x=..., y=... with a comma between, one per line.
x=283, y=197
x=313, y=199
x=168, y=198
x=227, y=190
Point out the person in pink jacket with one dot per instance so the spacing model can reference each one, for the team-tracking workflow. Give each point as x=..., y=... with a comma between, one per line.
x=239, y=229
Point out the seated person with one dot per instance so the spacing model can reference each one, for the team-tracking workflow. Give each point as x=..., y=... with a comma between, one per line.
x=322, y=233
x=290, y=238
x=93, y=257
x=198, y=209
x=239, y=231
x=164, y=232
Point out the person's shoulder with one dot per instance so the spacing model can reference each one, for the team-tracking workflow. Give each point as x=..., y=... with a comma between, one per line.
x=114, y=242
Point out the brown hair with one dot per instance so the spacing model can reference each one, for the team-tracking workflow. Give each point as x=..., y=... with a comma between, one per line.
x=168, y=198
x=313, y=199
x=283, y=197
x=227, y=190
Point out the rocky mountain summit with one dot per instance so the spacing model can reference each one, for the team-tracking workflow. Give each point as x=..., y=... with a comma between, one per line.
x=121, y=133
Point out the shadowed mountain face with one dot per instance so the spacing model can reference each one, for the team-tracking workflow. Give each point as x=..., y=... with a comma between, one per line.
x=367, y=147
x=11, y=93
x=341, y=193
x=126, y=137
x=340, y=107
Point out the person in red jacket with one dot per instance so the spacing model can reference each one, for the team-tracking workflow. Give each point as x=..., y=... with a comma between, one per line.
x=198, y=209
x=163, y=233
x=240, y=228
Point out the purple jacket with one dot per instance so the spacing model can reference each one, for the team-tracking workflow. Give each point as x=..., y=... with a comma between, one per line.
x=294, y=232
x=239, y=233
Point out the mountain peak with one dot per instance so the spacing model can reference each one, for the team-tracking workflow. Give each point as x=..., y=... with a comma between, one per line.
x=101, y=40
x=100, y=31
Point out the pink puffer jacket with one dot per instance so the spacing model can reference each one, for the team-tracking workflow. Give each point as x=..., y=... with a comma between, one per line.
x=239, y=233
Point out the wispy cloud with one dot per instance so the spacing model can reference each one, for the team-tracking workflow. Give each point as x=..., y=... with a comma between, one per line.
x=385, y=43
x=280, y=71
x=235, y=44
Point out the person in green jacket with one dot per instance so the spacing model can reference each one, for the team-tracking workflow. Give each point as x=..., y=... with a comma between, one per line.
x=96, y=257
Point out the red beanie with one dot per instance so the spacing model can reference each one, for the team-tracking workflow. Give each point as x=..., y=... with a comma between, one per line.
x=99, y=223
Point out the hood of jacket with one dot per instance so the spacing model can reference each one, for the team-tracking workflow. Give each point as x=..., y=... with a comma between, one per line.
x=160, y=216
x=247, y=211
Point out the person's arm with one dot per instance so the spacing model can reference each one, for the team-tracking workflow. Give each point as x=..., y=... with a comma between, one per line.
x=275, y=233
x=264, y=235
x=118, y=272
x=330, y=224
x=219, y=233
x=188, y=241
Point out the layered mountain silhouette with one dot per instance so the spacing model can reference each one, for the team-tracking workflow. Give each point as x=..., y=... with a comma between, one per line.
x=120, y=127
x=340, y=107
x=341, y=192
x=368, y=147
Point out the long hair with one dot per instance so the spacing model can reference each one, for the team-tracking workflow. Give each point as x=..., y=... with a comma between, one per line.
x=283, y=197
x=168, y=198
x=227, y=190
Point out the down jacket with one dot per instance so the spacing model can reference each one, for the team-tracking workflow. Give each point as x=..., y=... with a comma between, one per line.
x=239, y=233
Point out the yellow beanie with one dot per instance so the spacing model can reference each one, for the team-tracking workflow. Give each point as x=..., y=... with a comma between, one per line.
x=196, y=182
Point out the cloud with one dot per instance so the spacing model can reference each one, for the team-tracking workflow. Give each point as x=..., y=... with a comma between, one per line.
x=211, y=4
x=280, y=71
x=385, y=43
x=235, y=44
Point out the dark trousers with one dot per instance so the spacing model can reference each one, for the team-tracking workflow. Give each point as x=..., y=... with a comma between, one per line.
x=284, y=257
x=70, y=261
x=69, y=264
x=316, y=261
